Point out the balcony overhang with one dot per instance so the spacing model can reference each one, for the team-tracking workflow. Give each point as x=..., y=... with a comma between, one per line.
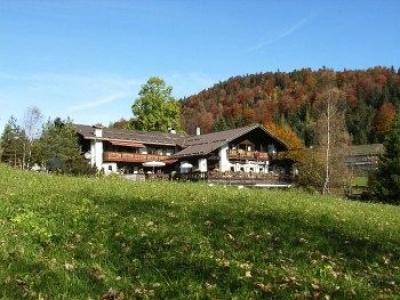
x=126, y=143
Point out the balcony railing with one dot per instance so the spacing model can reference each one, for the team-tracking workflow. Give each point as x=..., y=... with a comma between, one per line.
x=110, y=156
x=247, y=155
x=243, y=176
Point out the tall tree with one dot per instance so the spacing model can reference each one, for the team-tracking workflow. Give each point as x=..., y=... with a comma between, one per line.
x=155, y=108
x=32, y=125
x=385, y=184
x=13, y=142
x=332, y=137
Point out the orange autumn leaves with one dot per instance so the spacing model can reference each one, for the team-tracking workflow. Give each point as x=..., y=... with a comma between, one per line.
x=384, y=118
x=286, y=134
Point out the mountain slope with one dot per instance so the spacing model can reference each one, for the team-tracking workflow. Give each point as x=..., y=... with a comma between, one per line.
x=372, y=96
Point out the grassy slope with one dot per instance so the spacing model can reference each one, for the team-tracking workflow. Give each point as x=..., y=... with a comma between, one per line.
x=76, y=238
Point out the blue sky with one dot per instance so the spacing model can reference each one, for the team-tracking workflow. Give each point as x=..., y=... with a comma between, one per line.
x=87, y=59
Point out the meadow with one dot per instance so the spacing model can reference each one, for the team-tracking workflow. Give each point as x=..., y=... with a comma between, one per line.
x=106, y=238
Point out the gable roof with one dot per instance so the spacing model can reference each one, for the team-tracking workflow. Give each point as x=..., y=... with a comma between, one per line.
x=128, y=135
x=206, y=143
x=192, y=145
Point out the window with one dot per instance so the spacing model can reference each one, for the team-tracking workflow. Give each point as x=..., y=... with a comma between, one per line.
x=232, y=169
x=251, y=169
x=271, y=149
x=110, y=168
x=241, y=169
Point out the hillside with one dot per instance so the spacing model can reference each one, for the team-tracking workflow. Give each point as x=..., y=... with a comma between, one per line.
x=77, y=238
x=371, y=97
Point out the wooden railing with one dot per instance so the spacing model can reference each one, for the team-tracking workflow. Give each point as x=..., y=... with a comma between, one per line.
x=248, y=155
x=250, y=175
x=110, y=156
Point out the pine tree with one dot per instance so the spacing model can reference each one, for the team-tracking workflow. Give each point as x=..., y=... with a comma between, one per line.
x=386, y=182
x=12, y=143
x=58, y=149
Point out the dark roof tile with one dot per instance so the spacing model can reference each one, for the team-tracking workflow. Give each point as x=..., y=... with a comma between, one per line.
x=192, y=145
x=145, y=137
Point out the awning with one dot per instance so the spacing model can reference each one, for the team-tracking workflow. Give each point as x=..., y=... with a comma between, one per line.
x=127, y=143
x=170, y=161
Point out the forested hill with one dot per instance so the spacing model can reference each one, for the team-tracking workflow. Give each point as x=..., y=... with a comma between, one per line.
x=372, y=98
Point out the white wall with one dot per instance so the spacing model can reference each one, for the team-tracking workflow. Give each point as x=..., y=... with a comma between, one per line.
x=92, y=153
x=203, y=164
x=224, y=164
x=247, y=166
x=96, y=150
x=99, y=154
x=108, y=166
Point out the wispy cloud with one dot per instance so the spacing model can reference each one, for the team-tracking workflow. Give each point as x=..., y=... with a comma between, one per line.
x=287, y=32
x=97, y=102
x=86, y=98
x=68, y=94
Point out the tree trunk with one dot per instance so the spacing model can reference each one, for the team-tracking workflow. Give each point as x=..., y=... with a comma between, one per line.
x=328, y=142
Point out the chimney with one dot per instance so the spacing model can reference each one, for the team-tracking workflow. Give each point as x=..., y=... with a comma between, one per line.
x=98, y=130
x=198, y=131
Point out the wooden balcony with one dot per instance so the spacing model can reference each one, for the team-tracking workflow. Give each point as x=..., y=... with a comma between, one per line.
x=247, y=155
x=110, y=156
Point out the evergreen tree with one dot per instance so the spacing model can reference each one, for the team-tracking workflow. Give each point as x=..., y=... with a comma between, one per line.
x=58, y=149
x=386, y=182
x=12, y=143
x=220, y=124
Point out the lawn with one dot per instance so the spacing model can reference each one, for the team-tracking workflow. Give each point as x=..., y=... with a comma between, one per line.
x=81, y=238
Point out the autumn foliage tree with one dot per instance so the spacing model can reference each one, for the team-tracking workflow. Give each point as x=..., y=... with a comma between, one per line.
x=384, y=119
x=286, y=134
x=289, y=97
x=332, y=139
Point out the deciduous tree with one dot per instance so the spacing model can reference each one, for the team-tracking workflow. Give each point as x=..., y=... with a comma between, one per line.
x=156, y=108
x=32, y=126
x=286, y=134
x=384, y=119
x=332, y=138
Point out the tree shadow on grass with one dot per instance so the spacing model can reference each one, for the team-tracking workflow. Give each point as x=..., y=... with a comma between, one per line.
x=291, y=233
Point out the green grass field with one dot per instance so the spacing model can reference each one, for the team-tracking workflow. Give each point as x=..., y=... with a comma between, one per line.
x=77, y=238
